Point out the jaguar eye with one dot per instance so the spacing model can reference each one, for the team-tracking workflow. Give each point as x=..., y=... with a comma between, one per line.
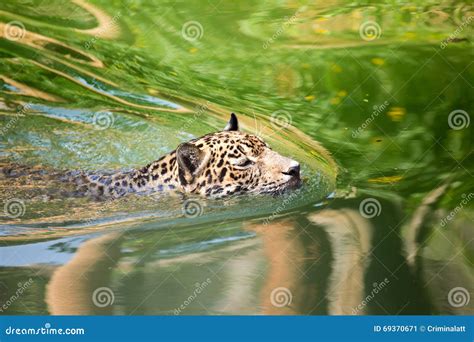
x=245, y=162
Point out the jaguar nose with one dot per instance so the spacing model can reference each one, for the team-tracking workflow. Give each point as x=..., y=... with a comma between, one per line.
x=293, y=171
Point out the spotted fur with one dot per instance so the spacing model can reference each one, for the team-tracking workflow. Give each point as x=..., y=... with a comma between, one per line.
x=215, y=165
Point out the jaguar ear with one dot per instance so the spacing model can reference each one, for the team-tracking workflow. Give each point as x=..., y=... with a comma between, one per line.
x=233, y=124
x=190, y=161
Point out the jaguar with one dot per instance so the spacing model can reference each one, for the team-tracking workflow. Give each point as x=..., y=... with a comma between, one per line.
x=218, y=164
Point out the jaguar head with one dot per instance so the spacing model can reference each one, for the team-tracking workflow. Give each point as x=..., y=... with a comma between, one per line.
x=231, y=161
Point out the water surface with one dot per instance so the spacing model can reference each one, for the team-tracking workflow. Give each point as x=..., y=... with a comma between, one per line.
x=382, y=225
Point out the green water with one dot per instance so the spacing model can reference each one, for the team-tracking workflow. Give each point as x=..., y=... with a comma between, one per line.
x=382, y=225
